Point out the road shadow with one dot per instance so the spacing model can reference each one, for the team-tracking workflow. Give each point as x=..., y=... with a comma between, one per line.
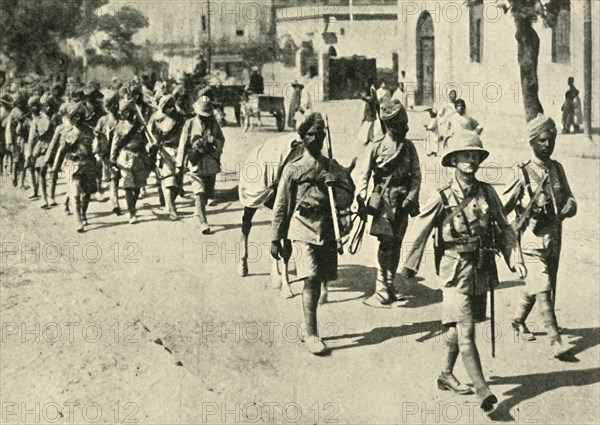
x=507, y=284
x=419, y=295
x=353, y=278
x=532, y=385
x=585, y=338
x=427, y=330
x=227, y=195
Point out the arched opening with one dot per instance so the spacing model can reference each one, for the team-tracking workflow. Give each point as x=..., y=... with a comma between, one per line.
x=332, y=52
x=425, y=60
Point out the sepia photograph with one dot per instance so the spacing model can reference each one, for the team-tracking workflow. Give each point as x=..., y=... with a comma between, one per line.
x=220, y=212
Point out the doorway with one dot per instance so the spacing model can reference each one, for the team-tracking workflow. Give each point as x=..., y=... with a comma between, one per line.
x=425, y=60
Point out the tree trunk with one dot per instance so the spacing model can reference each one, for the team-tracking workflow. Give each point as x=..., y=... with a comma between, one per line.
x=528, y=52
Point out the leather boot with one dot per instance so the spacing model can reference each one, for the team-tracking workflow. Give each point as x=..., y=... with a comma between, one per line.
x=310, y=299
x=80, y=225
x=524, y=307
x=114, y=196
x=201, y=213
x=131, y=197
x=558, y=349
x=383, y=296
x=470, y=356
x=446, y=380
x=170, y=199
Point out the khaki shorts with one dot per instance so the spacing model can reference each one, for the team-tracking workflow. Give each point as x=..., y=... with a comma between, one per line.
x=541, y=272
x=204, y=185
x=458, y=307
x=318, y=261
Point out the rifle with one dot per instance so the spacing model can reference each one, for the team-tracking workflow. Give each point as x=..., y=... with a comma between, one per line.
x=336, y=224
x=520, y=222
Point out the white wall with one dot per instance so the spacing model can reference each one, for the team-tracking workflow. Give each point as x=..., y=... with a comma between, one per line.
x=494, y=85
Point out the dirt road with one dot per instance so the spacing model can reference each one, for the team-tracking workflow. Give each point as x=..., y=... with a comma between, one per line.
x=150, y=323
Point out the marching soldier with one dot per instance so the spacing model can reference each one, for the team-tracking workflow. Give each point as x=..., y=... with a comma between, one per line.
x=302, y=213
x=40, y=135
x=129, y=156
x=38, y=123
x=167, y=124
x=5, y=108
x=16, y=133
x=470, y=225
x=54, y=156
x=203, y=138
x=80, y=164
x=394, y=164
x=104, y=132
x=542, y=199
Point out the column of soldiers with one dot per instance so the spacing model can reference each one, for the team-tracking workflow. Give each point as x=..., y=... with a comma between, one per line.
x=118, y=137
x=130, y=135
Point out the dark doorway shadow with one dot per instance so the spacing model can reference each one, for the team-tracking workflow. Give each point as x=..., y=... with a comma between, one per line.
x=376, y=336
x=533, y=385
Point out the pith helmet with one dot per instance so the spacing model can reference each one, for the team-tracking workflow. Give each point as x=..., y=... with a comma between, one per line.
x=204, y=107
x=462, y=142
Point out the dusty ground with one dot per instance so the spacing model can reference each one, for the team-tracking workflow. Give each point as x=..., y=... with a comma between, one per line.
x=151, y=323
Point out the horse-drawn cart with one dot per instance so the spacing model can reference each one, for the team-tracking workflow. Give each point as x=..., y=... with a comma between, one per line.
x=255, y=105
x=231, y=96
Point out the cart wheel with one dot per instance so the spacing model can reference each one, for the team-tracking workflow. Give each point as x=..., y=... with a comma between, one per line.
x=280, y=122
x=237, y=111
x=244, y=120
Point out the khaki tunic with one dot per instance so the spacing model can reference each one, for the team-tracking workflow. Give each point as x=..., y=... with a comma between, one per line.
x=541, y=239
x=464, y=284
x=383, y=160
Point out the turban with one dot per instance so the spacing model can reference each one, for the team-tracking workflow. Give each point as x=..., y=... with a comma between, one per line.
x=460, y=102
x=393, y=108
x=313, y=119
x=540, y=125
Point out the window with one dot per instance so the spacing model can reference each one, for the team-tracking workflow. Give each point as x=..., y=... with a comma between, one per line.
x=239, y=33
x=203, y=23
x=476, y=30
x=561, y=38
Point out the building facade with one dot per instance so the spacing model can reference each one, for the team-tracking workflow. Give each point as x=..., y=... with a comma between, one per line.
x=179, y=30
x=448, y=44
x=471, y=48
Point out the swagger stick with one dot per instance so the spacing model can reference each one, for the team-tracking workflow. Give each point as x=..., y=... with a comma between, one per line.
x=336, y=224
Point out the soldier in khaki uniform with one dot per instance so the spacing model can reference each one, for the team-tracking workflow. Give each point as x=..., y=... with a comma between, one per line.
x=40, y=135
x=466, y=214
x=542, y=181
x=203, y=138
x=129, y=156
x=80, y=163
x=302, y=214
x=394, y=164
x=104, y=133
x=167, y=124
x=16, y=132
